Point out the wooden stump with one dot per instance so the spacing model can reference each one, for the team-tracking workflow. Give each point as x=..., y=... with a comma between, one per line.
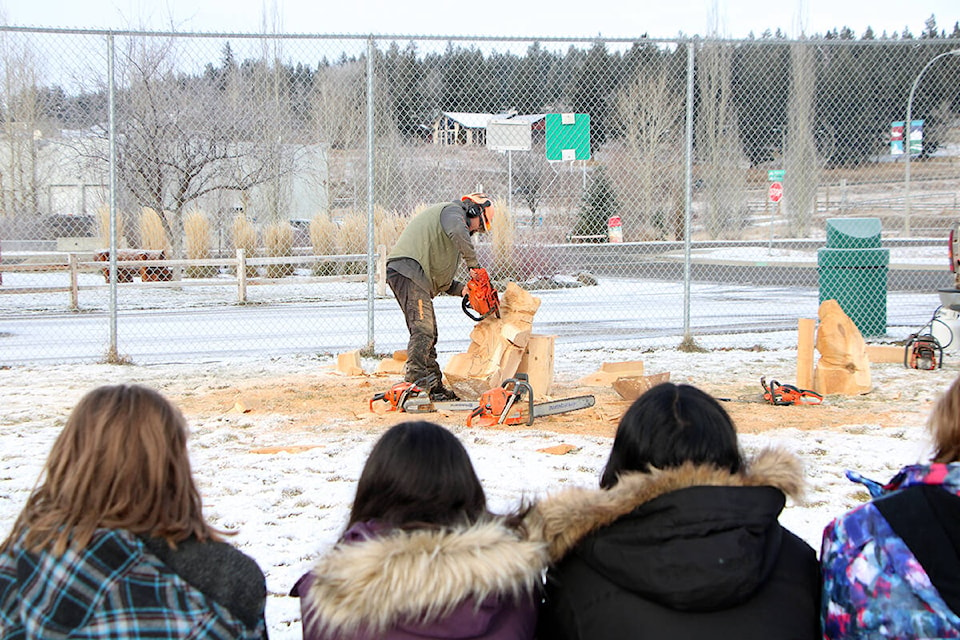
x=496, y=346
x=843, y=366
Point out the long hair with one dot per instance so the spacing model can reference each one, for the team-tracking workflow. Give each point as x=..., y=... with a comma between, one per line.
x=669, y=425
x=944, y=425
x=418, y=474
x=120, y=463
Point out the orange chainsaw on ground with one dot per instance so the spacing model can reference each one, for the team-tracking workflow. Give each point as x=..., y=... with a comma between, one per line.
x=412, y=397
x=786, y=394
x=512, y=403
x=481, y=296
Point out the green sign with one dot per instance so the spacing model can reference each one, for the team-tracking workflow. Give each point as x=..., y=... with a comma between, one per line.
x=568, y=136
x=775, y=175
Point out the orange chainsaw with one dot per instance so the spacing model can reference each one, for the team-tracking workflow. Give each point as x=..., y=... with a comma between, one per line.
x=481, y=296
x=786, y=394
x=512, y=403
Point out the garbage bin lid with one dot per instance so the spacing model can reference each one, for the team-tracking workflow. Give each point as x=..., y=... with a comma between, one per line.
x=853, y=233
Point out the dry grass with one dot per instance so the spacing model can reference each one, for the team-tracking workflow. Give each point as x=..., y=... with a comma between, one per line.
x=278, y=241
x=153, y=236
x=323, y=235
x=103, y=222
x=244, y=236
x=199, y=239
x=388, y=225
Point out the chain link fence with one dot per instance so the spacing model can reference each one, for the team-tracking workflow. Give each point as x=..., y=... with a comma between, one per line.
x=164, y=194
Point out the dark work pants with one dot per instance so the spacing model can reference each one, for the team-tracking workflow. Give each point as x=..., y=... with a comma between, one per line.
x=417, y=307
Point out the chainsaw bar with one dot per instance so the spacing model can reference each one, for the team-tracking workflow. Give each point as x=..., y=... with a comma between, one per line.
x=563, y=405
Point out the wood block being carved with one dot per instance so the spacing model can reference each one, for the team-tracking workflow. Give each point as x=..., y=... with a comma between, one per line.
x=496, y=346
x=843, y=367
x=537, y=363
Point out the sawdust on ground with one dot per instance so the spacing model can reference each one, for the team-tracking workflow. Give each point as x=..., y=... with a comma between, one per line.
x=343, y=403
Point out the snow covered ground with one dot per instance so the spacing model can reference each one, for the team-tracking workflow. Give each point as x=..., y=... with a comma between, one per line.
x=288, y=507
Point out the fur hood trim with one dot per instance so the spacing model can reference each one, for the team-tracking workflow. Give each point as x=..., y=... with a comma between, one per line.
x=562, y=520
x=420, y=575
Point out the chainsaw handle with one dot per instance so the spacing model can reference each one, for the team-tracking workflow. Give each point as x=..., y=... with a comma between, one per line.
x=479, y=411
x=465, y=305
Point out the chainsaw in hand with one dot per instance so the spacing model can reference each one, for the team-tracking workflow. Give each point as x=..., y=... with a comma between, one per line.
x=481, y=297
x=512, y=403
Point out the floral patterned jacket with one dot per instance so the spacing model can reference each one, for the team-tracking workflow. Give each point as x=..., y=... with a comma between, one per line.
x=873, y=585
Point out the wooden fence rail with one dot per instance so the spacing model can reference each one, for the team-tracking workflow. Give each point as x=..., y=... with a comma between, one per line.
x=240, y=267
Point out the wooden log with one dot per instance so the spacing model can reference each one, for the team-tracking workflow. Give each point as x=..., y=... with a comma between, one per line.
x=610, y=371
x=632, y=387
x=885, y=353
x=349, y=363
x=806, y=331
x=843, y=367
x=537, y=363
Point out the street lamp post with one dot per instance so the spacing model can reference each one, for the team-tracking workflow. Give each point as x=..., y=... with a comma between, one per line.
x=906, y=139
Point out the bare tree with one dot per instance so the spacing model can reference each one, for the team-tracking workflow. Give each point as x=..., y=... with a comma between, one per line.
x=801, y=168
x=21, y=115
x=718, y=145
x=181, y=138
x=650, y=108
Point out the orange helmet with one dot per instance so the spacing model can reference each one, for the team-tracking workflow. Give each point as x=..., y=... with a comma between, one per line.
x=483, y=208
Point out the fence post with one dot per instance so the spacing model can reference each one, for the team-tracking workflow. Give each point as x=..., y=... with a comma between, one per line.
x=74, y=288
x=381, y=270
x=241, y=276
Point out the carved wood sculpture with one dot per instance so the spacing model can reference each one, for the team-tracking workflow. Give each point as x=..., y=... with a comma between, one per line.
x=496, y=346
x=843, y=366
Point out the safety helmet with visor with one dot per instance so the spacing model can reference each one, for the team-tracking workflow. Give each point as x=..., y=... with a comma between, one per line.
x=479, y=205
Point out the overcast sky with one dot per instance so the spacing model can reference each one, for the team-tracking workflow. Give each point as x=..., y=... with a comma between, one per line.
x=608, y=18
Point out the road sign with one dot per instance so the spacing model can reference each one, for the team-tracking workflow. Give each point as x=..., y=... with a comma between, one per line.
x=776, y=191
x=775, y=175
x=567, y=136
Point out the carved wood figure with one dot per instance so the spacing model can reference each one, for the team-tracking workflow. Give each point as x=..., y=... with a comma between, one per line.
x=843, y=367
x=496, y=346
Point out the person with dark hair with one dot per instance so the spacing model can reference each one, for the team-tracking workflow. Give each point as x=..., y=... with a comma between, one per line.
x=113, y=543
x=422, y=265
x=421, y=556
x=682, y=540
x=891, y=567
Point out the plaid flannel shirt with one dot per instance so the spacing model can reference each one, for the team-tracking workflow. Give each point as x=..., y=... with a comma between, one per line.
x=114, y=588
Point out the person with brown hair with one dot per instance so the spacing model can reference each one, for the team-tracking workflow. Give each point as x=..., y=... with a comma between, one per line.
x=112, y=543
x=421, y=556
x=891, y=566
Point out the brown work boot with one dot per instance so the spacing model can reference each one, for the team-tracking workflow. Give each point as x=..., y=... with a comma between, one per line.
x=441, y=394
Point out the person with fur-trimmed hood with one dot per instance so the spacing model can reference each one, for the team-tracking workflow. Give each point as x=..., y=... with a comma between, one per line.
x=682, y=540
x=421, y=556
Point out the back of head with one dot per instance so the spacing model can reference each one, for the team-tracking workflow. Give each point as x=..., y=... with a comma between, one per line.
x=418, y=473
x=668, y=426
x=944, y=425
x=120, y=462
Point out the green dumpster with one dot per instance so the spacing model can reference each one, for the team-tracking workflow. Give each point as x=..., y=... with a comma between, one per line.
x=853, y=269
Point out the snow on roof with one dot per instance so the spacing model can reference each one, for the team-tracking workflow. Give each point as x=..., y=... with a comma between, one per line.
x=469, y=120
x=480, y=120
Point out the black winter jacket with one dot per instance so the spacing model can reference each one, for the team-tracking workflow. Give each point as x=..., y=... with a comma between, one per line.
x=691, y=552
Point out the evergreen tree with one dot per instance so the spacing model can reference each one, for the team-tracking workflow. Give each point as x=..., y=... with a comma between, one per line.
x=598, y=204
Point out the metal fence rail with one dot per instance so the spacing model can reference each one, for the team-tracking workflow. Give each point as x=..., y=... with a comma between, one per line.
x=698, y=174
